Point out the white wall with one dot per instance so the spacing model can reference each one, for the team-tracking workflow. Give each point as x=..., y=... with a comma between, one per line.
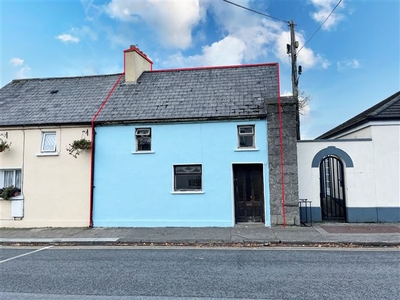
x=386, y=140
x=359, y=180
x=373, y=182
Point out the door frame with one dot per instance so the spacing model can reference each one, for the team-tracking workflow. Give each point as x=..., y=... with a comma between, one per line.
x=264, y=208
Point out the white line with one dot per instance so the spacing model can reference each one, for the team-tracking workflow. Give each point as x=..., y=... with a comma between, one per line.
x=18, y=256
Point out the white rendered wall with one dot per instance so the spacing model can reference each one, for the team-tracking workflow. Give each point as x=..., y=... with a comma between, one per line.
x=56, y=188
x=359, y=180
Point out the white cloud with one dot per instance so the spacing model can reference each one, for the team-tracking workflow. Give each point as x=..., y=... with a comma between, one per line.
x=16, y=61
x=352, y=63
x=67, y=38
x=228, y=51
x=81, y=33
x=172, y=20
x=323, y=9
x=22, y=72
x=306, y=57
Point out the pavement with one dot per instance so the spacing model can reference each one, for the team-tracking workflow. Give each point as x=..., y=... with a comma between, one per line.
x=320, y=234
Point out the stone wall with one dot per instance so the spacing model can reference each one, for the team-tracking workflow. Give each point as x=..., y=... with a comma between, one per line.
x=290, y=175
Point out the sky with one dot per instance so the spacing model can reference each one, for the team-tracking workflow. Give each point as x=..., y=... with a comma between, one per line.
x=350, y=60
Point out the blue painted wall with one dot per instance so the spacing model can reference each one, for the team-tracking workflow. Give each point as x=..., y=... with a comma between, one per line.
x=136, y=190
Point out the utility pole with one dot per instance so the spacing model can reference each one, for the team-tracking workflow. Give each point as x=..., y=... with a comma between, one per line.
x=295, y=80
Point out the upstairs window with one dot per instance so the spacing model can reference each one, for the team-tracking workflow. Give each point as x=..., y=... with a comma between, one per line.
x=48, y=142
x=187, y=178
x=246, y=136
x=143, y=139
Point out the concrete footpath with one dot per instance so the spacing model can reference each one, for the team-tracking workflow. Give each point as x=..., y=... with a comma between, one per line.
x=321, y=234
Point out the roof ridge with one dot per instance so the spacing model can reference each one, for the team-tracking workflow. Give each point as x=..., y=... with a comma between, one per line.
x=63, y=77
x=214, y=67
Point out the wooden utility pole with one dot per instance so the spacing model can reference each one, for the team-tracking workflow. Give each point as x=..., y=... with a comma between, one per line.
x=295, y=81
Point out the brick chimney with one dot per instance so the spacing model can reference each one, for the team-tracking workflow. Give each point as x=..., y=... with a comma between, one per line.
x=135, y=63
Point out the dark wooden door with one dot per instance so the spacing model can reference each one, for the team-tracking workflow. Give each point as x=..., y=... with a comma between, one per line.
x=248, y=186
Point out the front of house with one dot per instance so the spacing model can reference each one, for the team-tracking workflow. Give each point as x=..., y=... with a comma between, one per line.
x=187, y=148
x=181, y=174
x=40, y=119
x=209, y=146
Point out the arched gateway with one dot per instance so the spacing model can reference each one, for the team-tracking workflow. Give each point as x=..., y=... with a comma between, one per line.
x=332, y=184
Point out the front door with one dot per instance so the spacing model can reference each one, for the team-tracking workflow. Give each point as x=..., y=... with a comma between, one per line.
x=248, y=187
x=333, y=202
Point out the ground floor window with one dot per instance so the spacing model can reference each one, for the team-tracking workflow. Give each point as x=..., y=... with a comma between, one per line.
x=10, y=178
x=187, y=178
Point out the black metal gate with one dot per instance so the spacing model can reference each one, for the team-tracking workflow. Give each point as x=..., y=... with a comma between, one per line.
x=333, y=202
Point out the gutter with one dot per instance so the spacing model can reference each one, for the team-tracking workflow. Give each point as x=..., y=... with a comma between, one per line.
x=92, y=149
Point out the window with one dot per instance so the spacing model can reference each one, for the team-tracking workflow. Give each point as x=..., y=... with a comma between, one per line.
x=48, y=142
x=187, y=178
x=10, y=178
x=246, y=136
x=143, y=139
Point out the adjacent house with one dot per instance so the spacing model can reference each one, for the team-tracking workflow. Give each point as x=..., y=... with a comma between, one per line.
x=189, y=147
x=40, y=118
x=352, y=172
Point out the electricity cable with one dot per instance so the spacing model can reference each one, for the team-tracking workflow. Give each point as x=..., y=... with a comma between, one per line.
x=257, y=12
x=322, y=24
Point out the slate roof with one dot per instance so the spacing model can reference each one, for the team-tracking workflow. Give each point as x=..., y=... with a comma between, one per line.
x=205, y=93
x=72, y=100
x=168, y=95
x=386, y=110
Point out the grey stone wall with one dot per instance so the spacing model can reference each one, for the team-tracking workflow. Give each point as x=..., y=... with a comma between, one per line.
x=290, y=175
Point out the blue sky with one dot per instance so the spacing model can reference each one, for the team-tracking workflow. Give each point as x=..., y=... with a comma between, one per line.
x=350, y=64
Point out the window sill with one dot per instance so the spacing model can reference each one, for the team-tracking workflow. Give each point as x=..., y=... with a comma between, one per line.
x=48, y=154
x=186, y=192
x=143, y=152
x=246, y=149
x=20, y=197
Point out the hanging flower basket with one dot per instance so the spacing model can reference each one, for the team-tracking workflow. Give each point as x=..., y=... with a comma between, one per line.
x=4, y=145
x=78, y=146
x=8, y=192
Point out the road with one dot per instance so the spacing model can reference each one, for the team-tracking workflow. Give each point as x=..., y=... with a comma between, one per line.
x=182, y=273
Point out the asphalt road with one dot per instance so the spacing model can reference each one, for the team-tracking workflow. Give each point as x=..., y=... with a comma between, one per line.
x=121, y=273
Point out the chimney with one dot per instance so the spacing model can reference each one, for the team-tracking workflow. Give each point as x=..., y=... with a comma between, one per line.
x=135, y=63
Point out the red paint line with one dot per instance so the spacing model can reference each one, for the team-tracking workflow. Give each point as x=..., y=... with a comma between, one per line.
x=215, y=67
x=92, y=148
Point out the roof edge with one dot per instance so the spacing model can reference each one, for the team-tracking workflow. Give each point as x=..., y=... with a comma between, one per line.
x=217, y=67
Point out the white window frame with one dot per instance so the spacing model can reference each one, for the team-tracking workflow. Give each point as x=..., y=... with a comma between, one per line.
x=141, y=132
x=2, y=179
x=54, y=147
x=252, y=134
x=188, y=190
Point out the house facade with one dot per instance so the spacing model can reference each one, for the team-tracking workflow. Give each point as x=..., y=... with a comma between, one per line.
x=190, y=147
x=40, y=119
x=352, y=172
x=212, y=146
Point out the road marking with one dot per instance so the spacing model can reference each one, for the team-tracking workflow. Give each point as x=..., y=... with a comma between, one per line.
x=18, y=256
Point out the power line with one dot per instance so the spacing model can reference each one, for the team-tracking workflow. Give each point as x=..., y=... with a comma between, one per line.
x=322, y=24
x=257, y=12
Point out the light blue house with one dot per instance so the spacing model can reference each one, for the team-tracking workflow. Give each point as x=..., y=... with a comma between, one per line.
x=184, y=147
